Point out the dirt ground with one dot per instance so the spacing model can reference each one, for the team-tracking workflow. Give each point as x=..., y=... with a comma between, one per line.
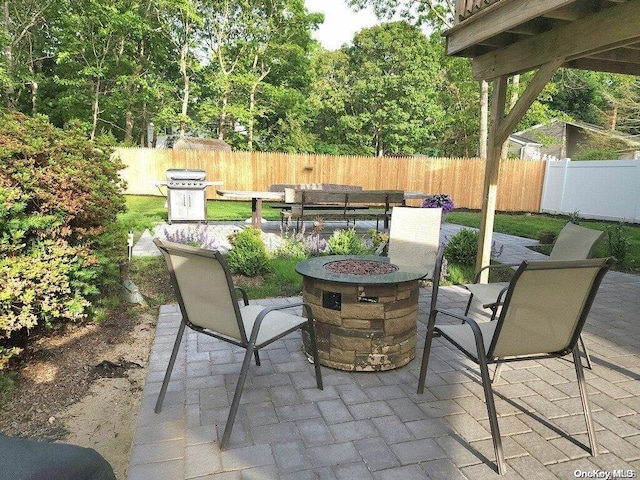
x=83, y=384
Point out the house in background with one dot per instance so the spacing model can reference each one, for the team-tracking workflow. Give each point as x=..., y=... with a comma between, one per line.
x=197, y=143
x=559, y=140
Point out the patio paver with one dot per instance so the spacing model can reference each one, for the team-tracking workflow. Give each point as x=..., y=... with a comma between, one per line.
x=374, y=425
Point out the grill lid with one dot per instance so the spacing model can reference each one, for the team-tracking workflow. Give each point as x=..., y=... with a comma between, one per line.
x=185, y=174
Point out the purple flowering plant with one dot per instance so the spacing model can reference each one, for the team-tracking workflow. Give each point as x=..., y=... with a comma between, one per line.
x=440, y=200
x=197, y=236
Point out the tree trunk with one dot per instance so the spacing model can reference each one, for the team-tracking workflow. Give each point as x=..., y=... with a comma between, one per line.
x=250, y=123
x=614, y=118
x=379, y=145
x=515, y=84
x=96, y=107
x=34, y=97
x=8, y=55
x=128, y=127
x=185, y=85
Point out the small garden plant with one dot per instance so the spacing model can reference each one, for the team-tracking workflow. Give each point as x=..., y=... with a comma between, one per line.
x=346, y=242
x=248, y=255
x=442, y=200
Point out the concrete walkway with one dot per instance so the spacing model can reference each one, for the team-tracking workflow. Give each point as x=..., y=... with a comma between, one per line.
x=374, y=426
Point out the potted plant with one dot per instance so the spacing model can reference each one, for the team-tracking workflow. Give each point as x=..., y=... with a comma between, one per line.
x=441, y=200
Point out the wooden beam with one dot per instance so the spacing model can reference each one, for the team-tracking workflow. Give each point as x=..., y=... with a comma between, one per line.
x=597, y=32
x=529, y=96
x=492, y=168
x=497, y=18
x=572, y=12
x=604, y=66
x=620, y=55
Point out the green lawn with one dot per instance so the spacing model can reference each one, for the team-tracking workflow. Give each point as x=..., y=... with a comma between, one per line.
x=143, y=211
x=535, y=225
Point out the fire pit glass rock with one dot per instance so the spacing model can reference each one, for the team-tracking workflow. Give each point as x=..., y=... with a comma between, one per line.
x=360, y=267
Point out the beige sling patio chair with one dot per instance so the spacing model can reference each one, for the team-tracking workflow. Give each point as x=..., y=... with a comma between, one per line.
x=573, y=243
x=414, y=236
x=209, y=304
x=545, y=307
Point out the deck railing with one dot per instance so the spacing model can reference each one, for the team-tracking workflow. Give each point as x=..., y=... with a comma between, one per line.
x=466, y=8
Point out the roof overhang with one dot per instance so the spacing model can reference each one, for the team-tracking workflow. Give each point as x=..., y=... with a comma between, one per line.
x=508, y=37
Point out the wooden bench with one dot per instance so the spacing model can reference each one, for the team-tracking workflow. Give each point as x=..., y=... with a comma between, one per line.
x=291, y=203
x=348, y=205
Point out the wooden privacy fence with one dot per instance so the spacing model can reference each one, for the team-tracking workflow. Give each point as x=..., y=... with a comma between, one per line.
x=519, y=189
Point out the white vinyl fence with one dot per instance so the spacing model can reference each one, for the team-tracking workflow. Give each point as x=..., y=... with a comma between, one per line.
x=600, y=189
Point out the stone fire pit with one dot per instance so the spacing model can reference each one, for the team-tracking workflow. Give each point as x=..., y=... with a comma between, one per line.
x=366, y=311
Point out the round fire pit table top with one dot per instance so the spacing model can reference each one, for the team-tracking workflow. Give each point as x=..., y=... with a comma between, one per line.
x=315, y=268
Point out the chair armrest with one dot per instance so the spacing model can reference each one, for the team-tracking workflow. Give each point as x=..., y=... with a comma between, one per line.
x=243, y=292
x=486, y=267
x=266, y=310
x=449, y=313
x=477, y=333
x=380, y=248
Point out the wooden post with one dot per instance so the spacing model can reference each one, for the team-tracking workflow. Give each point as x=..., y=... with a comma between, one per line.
x=501, y=128
x=490, y=192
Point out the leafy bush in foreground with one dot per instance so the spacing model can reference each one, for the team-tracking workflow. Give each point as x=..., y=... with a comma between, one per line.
x=59, y=198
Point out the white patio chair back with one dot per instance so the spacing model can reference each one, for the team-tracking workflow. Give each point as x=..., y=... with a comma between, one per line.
x=204, y=289
x=575, y=243
x=414, y=237
x=545, y=308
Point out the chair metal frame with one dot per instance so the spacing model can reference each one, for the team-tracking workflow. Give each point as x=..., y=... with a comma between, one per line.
x=484, y=357
x=247, y=342
x=561, y=251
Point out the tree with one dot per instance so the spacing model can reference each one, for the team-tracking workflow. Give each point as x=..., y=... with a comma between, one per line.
x=94, y=49
x=247, y=41
x=440, y=15
x=24, y=25
x=387, y=103
x=180, y=21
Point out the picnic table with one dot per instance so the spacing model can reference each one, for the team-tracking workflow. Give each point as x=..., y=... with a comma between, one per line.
x=256, y=201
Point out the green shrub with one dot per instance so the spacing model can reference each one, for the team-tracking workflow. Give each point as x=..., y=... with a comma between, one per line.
x=346, y=242
x=462, y=248
x=618, y=244
x=60, y=195
x=248, y=255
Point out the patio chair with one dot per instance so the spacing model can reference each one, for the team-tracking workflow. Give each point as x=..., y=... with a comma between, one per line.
x=414, y=237
x=573, y=243
x=545, y=307
x=209, y=304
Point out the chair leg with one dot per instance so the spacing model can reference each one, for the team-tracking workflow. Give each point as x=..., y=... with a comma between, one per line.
x=257, y=357
x=236, y=396
x=585, y=401
x=172, y=361
x=586, y=353
x=426, y=352
x=314, y=352
x=493, y=416
x=497, y=372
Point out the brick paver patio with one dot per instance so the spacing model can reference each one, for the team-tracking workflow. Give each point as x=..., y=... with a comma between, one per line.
x=374, y=425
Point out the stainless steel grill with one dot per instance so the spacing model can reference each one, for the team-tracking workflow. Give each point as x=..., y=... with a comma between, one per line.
x=186, y=195
x=186, y=179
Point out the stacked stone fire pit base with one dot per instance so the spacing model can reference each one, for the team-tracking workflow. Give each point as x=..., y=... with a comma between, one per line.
x=363, y=327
